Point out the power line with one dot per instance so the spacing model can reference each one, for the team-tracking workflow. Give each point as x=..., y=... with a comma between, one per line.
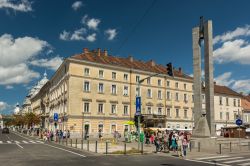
x=136, y=25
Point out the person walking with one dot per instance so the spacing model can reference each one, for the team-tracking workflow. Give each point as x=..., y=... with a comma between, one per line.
x=173, y=143
x=157, y=144
x=179, y=139
x=184, y=146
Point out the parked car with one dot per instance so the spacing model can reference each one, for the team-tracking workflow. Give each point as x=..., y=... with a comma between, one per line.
x=5, y=130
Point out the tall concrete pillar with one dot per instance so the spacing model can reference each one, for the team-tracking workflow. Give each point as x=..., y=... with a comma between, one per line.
x=197, y=75
x=209, y=69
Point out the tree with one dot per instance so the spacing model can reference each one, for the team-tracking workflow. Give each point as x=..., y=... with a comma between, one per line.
x=31, y=119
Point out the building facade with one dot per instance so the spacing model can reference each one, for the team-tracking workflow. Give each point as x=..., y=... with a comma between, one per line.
x=246, y=110
x=93, y=91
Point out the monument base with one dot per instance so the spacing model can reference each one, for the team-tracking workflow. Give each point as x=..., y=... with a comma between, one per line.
x=202, y=129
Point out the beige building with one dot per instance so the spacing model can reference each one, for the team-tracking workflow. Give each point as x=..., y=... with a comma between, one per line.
x=227, y=107
x=94, y=91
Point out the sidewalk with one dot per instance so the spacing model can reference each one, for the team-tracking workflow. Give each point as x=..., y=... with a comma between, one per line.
x=109, y=147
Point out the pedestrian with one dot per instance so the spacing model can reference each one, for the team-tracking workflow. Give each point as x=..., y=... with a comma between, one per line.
x=68, y=134
x=173, y=143
x=185, y=145
x=152, y=138
x=157, y=144
x=48, y=136
x=179, y=139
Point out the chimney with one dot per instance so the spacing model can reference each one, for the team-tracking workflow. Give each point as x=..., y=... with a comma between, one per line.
x=131, y=59
x=85, y=50
x=98, y=52
x=105, y=52
x=152, y=63
x=180, y=70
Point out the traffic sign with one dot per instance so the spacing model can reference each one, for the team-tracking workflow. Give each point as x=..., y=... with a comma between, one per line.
x=138, y=105
x=238, y=122
x=55, y=116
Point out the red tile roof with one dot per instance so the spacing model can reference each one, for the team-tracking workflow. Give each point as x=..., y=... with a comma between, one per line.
x=92, y=56
x=225, y=90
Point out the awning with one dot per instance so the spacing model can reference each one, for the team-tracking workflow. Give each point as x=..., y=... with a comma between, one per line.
x=130, y=122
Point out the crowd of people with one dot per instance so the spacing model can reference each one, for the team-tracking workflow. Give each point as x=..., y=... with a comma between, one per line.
x=169, y=141
x=57, y=135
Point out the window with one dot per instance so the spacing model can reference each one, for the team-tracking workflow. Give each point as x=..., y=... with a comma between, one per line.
x=185, y=98
x=100, y=88
x=137, y=78
x=168, y=83
x=238, y=102
x=159, y=82
x=203, y=98
x=148, y=81
x=220, y=100
x=159, y=94
x=125, y=91
x=227, y=115
x=185, y=113
x=113, y=89
x=235, y=102
x=168, y=112
x=125, y=110
x=176, y=96
x=177, y=113
x=125, y=77
x=235, y=115
x=192, y=98
x=159, y=111
x=221, y=115
x=176, y=85
x=185, y=86
x=100, y=128
x=149, y=110
x=192, y=87
x=101, y=73
x=86, y=86
x=100, y=108
x=113, y=128
x=113, y=109
x=86, y=107
x=86, y=71
x=227, y=103
x=113, y=75
x=168, y=95
x=149, y=93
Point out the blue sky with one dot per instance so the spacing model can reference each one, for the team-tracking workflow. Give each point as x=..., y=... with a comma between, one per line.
x=36, y=35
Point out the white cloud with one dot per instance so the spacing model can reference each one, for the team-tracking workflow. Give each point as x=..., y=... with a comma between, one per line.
x=91, y=38
x=224, y=79
x=64, y=35
x=3, y=105
x=233, y=51
x=16, y=51
x=17, y=74
x=74, y=36
x=84, y=19
x=93, y=23
x=21, y=6
x=238, y=32
x=242, y=86
x=9, y=87
x=52, y=64
x=111, y=33
x=77, y=5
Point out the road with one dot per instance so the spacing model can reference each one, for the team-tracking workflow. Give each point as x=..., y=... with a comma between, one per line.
x=19, y=150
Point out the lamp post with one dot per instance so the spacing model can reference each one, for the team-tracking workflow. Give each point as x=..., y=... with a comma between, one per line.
x=138, y=113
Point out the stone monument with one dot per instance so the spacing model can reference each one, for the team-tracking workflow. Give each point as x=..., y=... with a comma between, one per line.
x=203, y=120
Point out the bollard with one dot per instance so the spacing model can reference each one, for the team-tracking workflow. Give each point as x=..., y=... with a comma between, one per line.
x=220, y=148
x=81, y=144
x=199, y=146
x=190, y=146
x=106, y=148
x=88, y=145
x=248, y=145
x=230, y=146
x=96, y=146
x=71, y=142
x=76, y=144
x=66, y=141
x=125, y=148
x=142, y=148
